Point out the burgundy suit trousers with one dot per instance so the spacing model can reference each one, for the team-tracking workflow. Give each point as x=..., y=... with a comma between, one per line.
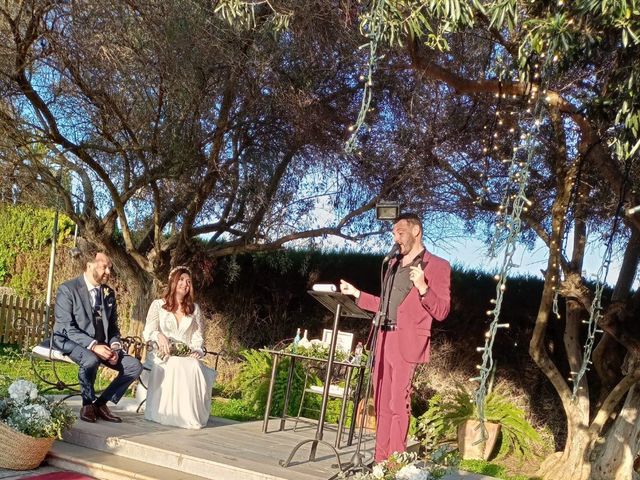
x=392, y=395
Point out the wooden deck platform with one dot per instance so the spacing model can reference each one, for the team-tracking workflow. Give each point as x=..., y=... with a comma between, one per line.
x=223, y=450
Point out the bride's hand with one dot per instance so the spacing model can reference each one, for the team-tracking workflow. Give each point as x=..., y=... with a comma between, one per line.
x=163, y=345
x=196, y=355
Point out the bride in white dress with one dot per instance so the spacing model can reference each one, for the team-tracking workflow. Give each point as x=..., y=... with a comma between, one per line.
x=179, y=387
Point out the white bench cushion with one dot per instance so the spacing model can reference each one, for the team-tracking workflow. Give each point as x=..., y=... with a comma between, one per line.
x=57, y=355
x=334, y=390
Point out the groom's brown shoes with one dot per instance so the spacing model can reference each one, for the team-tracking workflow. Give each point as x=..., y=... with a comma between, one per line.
x=104, y=413
x=88, y=413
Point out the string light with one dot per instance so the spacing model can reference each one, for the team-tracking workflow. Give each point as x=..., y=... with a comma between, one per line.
x=514, y=203
x=375, y=32
x=595, y=312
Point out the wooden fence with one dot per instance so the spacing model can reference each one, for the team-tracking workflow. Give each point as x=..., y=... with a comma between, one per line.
x=22, y=320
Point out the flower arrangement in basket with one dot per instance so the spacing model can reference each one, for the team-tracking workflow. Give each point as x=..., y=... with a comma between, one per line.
x=29, y=423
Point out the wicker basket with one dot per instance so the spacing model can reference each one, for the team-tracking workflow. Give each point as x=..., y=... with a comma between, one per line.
x=20, y=451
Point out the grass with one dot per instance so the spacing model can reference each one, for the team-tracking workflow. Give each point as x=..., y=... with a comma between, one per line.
x=16, y=364
x=231, y=408
x=491, y=469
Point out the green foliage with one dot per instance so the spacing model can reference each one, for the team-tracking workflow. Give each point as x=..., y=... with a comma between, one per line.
x=316, y=350
x=241, y=14
x=24, y=230
x=446, y=413
x=253, y=383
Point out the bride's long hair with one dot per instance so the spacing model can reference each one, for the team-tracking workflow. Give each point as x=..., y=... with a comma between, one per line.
x=170, y=303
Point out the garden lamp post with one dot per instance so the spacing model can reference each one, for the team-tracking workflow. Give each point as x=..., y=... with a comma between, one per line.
x=52, y=261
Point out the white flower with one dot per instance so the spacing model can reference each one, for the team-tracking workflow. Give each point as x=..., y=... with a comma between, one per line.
x=378, y=471
x=411, y=472
x=21, y=390
x=37, y=412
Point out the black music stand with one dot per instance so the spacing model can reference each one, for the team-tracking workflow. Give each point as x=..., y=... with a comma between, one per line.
x=342, y=306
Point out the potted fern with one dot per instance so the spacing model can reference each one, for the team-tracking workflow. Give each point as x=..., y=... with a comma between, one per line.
x=457, y=413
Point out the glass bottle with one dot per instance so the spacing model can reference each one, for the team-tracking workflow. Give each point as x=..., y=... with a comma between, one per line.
x=357, y=354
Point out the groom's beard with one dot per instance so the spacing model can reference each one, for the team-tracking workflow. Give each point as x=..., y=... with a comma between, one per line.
x=100, y=279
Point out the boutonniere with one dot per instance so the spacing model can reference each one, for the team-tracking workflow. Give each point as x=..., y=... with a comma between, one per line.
x=105, y=292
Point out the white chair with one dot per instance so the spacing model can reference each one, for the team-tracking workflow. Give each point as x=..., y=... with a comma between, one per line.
x=335, y=391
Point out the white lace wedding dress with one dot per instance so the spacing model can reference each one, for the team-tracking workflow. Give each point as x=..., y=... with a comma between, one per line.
x=179, y=388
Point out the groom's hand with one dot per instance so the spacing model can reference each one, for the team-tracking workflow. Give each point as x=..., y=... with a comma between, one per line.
x=113, y=359
x=103, y=352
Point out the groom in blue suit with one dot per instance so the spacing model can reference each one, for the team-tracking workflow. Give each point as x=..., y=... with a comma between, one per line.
x=86, y=329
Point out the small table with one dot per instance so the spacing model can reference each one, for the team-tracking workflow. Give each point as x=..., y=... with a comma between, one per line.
x=277, y=355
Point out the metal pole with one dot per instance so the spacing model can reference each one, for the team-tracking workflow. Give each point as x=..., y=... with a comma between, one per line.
x=52, y=261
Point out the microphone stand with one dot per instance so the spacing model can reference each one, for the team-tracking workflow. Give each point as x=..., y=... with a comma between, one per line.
x=356, y=464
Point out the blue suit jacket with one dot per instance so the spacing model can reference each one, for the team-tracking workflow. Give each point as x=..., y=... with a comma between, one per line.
x=74, y=317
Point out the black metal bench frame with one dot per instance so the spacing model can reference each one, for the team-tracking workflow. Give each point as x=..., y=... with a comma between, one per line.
x=132, y=345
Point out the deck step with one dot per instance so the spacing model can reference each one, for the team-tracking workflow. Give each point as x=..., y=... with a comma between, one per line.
x=106, y=466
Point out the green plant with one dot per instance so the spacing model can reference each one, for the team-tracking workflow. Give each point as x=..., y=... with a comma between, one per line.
x=405, y=466
x=316, y=350
x=446, y=413
x=253, y=382
x=26, y=230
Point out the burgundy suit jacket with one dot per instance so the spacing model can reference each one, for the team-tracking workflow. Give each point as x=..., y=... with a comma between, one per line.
x=415, y=314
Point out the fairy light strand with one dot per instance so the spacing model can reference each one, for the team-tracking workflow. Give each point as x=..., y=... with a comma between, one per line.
x=595, y=311
x=374, y=34
x=508, y=229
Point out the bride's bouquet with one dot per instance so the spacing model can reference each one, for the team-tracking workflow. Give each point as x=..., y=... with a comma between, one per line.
x=176, y=349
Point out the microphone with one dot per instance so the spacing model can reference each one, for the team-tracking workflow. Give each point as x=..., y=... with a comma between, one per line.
x=394, y=250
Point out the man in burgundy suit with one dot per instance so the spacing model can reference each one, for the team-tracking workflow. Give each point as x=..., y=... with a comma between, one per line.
x=416, y=291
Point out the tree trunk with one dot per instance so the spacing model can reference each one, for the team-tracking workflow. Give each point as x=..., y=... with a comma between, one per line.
x=614, y=457
x=573, y=462
x=144, y=293
x=609, y=354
